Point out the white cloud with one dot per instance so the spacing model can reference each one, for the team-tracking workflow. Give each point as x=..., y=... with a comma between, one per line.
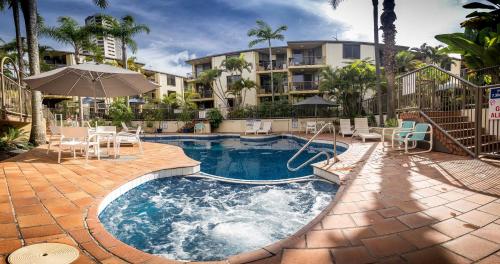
x=158, y=57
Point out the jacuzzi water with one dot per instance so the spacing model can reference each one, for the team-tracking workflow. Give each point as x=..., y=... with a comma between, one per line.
x=250, y=160
x=188, y=218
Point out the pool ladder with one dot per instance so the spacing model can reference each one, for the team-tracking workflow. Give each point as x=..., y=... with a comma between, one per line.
x=335, y=159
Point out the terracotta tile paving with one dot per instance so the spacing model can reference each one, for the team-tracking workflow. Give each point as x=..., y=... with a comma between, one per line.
x=393, y=208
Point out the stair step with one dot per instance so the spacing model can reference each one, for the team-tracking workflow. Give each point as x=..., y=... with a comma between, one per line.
x=457, y=125
x=450, y=119
x=442, y=113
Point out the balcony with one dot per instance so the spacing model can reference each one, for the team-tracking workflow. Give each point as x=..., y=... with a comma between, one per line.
x=307, y=86
x=277, y=65
x=204, y=94
x=278, y=89
x=307, y=61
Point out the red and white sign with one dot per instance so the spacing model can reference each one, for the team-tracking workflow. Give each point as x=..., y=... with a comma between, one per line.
x=494, y=104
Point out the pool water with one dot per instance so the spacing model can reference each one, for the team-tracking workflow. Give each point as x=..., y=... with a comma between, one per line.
x=250, y=160
x=197, y=219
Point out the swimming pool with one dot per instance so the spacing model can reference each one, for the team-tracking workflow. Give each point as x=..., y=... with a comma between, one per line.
x=199, y=219
x=244, y=159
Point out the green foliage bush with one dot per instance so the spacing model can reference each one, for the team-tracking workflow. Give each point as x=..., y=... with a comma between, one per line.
x=14, y=138
x=214, y=117
x=391, y=122
x=120, y=112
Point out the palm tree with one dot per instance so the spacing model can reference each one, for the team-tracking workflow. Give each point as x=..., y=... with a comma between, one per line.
x=125, y=30
x=406, y=61
x=264, y=33
x=388, y=18
x=14, y=5
x=334, y=4
x=70, y=33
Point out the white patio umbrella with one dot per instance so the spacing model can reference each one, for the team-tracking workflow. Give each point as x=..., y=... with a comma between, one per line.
x=91, y=80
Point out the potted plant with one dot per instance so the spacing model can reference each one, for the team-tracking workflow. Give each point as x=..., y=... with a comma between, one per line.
x=214, y=117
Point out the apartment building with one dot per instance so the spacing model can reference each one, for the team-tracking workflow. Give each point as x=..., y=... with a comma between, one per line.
x=296, y=68
x=110, y=46
x=169, y=83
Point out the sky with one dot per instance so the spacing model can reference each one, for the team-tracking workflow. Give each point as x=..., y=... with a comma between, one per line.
x=186, y=29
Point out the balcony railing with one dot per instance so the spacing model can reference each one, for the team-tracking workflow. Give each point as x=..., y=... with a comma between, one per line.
x=304, y=86
x=307, y=60
x=266, y=89
x=277, y=65
x=205, y=93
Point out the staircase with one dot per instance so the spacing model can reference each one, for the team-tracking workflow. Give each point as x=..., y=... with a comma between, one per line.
x=463, y=130
x=456, y=108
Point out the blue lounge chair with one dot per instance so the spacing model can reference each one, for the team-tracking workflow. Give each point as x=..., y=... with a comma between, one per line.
x=417, y=135
x=402, y=131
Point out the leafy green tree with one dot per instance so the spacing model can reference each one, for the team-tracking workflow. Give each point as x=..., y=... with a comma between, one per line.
x=334, y=4
x=238, y=89
x=348, y=85
x=433, y=55
x=263, y=33
x=211, y=78
x=479, y=44
x=120, y=112
x=407, y=61
x=479, y=19
x=71, y=33
x=214, y=117
x=125, y=30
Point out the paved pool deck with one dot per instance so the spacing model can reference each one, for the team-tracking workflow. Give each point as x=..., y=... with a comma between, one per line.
x=393, y=208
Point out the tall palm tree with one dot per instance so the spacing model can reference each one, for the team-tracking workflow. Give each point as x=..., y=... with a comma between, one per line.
x=376, y=44
x=125, y=30
x=70, y=33
x=388, y=18
x=264, y=33
x=14, y=5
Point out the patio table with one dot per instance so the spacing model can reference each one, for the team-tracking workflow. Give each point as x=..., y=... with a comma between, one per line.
x=106, y=134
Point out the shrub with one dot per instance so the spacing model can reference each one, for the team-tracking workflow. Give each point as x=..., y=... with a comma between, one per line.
x=214, y=118
x=391, y=122
x=14, y=138
x=120, y=112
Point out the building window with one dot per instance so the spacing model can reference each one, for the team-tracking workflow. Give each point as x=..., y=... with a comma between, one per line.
x=351, y=51
x=171, y=80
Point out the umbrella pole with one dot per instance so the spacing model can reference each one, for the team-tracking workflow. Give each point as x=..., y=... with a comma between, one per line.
x=81, y=108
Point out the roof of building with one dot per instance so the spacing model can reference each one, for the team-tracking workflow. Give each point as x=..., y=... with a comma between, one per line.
x=294, y=42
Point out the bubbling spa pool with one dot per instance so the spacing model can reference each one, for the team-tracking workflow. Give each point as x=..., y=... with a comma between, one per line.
x=202, y=219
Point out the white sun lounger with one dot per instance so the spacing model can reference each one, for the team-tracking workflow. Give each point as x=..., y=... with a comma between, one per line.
x=345, y=127
x=266, y=128
x=362, y=130
x=255, y=126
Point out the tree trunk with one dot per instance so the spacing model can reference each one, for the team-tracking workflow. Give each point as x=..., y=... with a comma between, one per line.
x=388, y=18
x=19, y=40
x=29, y=8
x=272, y=77
x=377, y=62
x=124, y=54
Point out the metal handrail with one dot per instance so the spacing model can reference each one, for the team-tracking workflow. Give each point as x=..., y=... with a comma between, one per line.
x=317, y=155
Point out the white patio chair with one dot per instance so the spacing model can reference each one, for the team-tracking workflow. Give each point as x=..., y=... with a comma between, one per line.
x=362, y=130
x=266, y=128
x=77, y=137
x=345, y=127
x=253, y=128
x=127, y=129
x=129, y=138
x=55, y=135
x=311, y=127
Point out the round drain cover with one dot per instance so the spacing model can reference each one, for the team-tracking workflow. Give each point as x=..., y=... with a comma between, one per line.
x=44, y=253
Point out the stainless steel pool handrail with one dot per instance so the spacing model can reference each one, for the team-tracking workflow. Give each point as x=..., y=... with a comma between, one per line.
x=317, y=155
